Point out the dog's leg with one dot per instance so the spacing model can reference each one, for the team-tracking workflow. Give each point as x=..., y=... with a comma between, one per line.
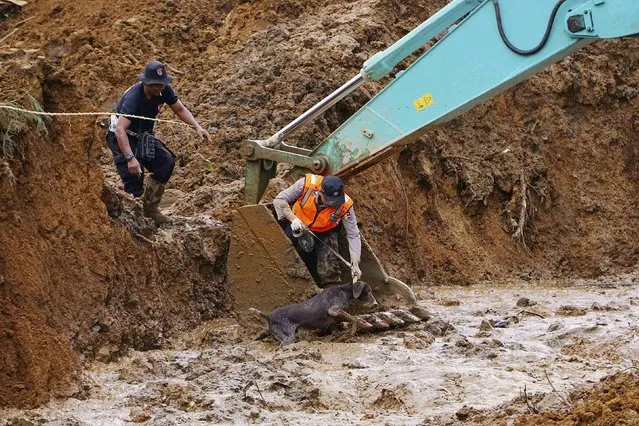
x=262, y=335
x=348, y=333
x=284, y=332
x=258, y=313
x=276, y=332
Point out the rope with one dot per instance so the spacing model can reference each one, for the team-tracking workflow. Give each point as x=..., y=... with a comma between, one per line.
x=69, y=114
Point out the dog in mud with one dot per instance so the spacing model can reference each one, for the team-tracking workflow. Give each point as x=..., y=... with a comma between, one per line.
x=321, y=311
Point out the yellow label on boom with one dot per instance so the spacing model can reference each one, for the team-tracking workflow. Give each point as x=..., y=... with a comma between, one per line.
x=423, y=102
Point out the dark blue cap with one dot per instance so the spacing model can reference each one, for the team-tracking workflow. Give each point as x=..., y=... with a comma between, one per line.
x=155, y=73
x=333, y=189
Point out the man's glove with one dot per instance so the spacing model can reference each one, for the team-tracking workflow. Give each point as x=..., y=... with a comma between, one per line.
x=297, y=226
x=356, y=272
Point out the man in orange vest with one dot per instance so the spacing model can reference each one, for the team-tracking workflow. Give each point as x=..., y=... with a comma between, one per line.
x=320, y=204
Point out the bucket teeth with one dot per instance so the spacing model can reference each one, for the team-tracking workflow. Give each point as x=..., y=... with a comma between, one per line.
x=420, y=312
x=378, y=324
x=405, y=316
x=381, y=321
x=391, y=319
x=362, y=324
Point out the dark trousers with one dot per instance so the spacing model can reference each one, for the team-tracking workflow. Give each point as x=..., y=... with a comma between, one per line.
x=320, y=262
x=161, y=166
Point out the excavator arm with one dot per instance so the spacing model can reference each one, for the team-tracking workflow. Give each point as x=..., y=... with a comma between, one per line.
x=483, y=48
x=488, y=46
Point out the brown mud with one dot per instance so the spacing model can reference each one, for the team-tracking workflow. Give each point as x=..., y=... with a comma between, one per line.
x=489, y=354
x=84, y=278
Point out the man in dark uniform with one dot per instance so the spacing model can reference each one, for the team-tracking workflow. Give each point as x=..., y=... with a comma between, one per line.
x=125, y=135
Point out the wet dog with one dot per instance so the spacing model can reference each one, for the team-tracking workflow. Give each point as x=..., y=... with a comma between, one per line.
x=321, y=311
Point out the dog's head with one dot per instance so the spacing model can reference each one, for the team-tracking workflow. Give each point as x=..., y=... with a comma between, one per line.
x=363, y=293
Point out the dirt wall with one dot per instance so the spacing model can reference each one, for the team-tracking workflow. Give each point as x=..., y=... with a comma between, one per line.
x=75, y=279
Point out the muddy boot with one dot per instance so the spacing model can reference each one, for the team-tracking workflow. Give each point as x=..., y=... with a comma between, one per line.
x=153, y=192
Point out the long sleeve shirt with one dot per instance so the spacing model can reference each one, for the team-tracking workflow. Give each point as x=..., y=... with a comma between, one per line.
x=282, y=204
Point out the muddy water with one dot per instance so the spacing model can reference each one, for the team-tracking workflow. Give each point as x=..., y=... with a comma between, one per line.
x=566, y=336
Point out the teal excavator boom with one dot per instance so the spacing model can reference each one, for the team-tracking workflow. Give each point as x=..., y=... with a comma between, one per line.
x=484, y=47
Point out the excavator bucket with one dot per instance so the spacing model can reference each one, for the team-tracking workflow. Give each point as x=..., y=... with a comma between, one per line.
x=265, y=272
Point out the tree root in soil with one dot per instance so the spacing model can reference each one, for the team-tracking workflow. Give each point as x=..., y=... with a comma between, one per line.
x=525, y=211
x=5, y=172
x=521, y=223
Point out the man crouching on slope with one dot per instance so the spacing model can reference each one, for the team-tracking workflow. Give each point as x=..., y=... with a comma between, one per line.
x=133, y=144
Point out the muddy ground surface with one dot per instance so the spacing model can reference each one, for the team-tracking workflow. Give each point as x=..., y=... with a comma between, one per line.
x=82, y=276
x=490, y=354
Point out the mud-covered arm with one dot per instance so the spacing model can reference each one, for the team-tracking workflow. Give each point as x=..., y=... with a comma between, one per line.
x=352, y=235
x=283, y=200
x=185, y=115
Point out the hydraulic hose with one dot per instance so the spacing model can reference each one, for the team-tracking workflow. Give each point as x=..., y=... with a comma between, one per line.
x=543, y=41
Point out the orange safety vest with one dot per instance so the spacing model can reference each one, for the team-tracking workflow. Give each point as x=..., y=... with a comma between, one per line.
x=305, y=207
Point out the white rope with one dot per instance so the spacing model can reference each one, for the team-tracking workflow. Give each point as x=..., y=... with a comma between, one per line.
x=69, y=114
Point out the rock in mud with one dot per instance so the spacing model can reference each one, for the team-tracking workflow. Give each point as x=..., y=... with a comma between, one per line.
x=463, y=342
x=107, y=353
x=551, y=402
x=139, y=416
x=571, y=311
x=388, y=400
x=21, y=422
x=524, y=302
x=485, y=325
x=355, y=365
x=438, y=327
x=466, y=413
x=425, y=336
x=554, y=327
x=412, y=341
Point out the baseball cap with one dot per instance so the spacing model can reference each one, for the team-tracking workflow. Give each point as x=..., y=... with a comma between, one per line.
x=333, y=189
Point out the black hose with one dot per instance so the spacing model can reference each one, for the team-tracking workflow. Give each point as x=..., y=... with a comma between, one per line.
x=543, y=41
